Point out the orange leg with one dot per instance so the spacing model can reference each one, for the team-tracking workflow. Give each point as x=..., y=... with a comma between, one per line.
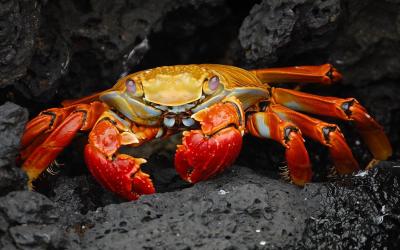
x=325, y=133
x=50, y=132
x=345, y=109
x=324, y=74
x=268, y=125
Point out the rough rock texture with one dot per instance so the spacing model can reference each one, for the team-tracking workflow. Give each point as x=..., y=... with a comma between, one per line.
x=367, y=48
x=19, y=22
x=28, y=220
x=12, y=121
x=362, y=38
x=281, y=29
x=54, y=50
x=383, y=101
x=240, y=209
x=245, y=210
x=22, y=207
x=361, y=212
x=103, y=40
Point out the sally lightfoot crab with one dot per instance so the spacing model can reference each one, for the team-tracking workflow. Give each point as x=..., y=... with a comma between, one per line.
x=215, y=105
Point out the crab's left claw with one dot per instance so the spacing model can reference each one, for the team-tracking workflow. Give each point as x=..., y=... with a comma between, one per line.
x=207, y=152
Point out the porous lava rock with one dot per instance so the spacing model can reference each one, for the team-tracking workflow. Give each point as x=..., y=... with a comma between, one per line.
x=280, y=29
x=361, y=38
x=243, y=209
x=19, y=23
x=12, y=122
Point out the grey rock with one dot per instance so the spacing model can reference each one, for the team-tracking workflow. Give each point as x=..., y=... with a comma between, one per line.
x=85, y=46
x=283, y=29
x=21, y=207
x=12, y=122
x=361, y=38
x=242, y=209
x=238, y=210
x=368, y=47
x=37, y=237
x=19, y=22
x=357, y=213
x=7, y=243
x=383, y=102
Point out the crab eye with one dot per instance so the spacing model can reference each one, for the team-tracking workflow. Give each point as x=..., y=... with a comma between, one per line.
x=211, y=85
x=133, y=88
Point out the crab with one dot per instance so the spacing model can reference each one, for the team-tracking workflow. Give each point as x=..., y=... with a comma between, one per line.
x=214, y=106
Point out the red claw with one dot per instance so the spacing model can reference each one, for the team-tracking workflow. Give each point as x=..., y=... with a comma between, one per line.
x=207, y=152
x=121, y=175
x=201, y=157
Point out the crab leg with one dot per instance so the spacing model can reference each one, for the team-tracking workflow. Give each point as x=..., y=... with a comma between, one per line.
x=345, y=109
x=325, y=133
x=268, y=125
x=324, y=74
x=207, y=152
x=119, y=173
x=50, y=132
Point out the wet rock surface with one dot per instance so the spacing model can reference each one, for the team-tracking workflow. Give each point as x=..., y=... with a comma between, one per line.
x=361, y=212
x=54, y=50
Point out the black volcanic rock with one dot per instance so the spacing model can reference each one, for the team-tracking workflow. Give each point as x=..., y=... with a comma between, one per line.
x=22, y=207
x=242, y=209
x=361, y=38
x=239, y=209
x=12, y=122
x=85, y=46
x=19, y=22
x=367, y=48
x=283, y=29
x=38, y=237
x=361, y=212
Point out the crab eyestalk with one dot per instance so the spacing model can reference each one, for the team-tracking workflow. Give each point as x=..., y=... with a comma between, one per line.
x=207, y=152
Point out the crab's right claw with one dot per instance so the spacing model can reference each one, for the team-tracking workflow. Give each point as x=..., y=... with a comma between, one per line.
x=118, y=173
x=201, y=157
x=207, y=152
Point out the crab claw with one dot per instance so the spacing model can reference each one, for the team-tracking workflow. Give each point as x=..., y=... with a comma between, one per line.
x=120, y=173
x=201, y=157
x=207, y=152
